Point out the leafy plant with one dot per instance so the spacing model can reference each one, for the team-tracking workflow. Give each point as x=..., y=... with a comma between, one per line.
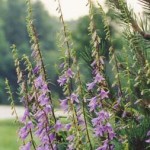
x=103, y=113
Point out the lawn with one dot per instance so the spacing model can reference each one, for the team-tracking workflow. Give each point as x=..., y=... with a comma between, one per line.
x=8, y=135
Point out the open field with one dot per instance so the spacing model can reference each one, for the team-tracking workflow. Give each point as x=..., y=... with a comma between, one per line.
x=8, y=128
x=8, y=135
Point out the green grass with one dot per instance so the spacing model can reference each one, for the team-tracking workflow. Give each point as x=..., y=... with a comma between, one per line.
x=8, y=135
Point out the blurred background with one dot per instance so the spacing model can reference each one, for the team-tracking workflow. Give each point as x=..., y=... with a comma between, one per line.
x=13, y=31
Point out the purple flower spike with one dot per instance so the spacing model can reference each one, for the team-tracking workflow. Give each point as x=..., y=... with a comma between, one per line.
x=104, y=94
x=90, y=86
x=69, y=73
x=62, y=80
x=74, y=98
x=98, y=78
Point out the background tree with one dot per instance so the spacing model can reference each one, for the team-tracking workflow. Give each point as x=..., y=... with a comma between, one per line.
x=13, y=31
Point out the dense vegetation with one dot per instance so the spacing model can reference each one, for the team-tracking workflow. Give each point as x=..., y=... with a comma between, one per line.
x=13, y=31
x=47, y=27
x=103, y=76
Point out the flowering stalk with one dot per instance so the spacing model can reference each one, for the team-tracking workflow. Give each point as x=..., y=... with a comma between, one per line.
x=111, y=51
x=40, y=107
x=102, y=128
x=9, y=92
x=27, y=130
x=26, y=120
x=80, y=91
x=36, y=99
x=37, y=52
x=66, y=80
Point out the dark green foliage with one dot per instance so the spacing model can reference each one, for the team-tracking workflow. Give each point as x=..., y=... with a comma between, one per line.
x=13, y=30
x=46, y=26
x=15, y=27
x=137, y=134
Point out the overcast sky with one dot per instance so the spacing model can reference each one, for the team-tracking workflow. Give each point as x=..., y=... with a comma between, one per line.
x=73, y=9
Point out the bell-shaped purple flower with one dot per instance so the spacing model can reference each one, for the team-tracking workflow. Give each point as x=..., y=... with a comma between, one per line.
x=26, y=146
x=93, y=103
x=95, y=121
x=103, y=115
x=99, y=130
x=90, y=86
x=98, y=78
x=25, y=115
x=67, y=126
x=24, y=131
x=38, y=82
x=62, y=80
x=74, y=98
x=36, y=70
x=69, y=73
x=104, y=94
x=64, y=104
x=58, y=126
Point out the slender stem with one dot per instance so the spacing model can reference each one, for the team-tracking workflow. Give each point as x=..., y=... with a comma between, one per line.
x=47, y=122
x=69, y=86
x=65, y=33
x=27, y=100
x=44, y=71
x=36, y=42
x=83, y=109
